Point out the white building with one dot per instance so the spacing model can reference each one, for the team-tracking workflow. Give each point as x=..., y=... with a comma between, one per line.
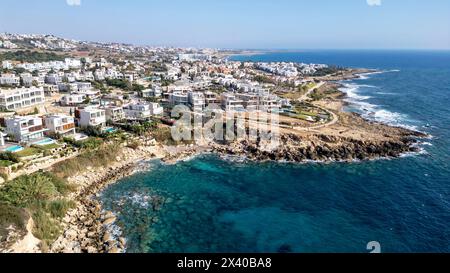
x=73, y=99
x=16, y=99
x=154, y=92
x=9, y=79
x=196, y=101
x=114, y=113
x=7, y=65
x=177, y=98
x=91, y=116
x=231, y=103
x=142, y=110
x=62, y=125
x=53, y=78
x=25, y=129
x=156, y=109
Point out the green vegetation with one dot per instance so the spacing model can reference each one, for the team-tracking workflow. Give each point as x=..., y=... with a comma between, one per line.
x=88, y=144
x=41, y=194
x=263, y=79
x=100, y=86
x=36, y=150
x=140, y=128
x=321, y=94
x=163, y=135
x=328, y=71
x=8, y=156
x=30, y=151
x=122, y=84
x=137, y=87
x=95, y=157
x=6, y=163
x=31, y=56
x=11, y=216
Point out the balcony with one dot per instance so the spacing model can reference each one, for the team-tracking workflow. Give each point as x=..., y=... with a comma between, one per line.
x=68, y=126
x=35, y=128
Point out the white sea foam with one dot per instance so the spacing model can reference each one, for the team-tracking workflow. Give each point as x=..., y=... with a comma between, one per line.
x=365, y=76
x=139, y=199
x=371, y=111
x=350, y=90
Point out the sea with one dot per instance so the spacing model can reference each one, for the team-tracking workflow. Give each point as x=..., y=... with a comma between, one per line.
x=210, y=204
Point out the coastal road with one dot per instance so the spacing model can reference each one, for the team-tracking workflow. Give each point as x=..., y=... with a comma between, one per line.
x=333, y=121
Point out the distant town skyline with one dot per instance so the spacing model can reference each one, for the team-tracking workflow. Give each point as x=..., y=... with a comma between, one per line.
x=262, y=24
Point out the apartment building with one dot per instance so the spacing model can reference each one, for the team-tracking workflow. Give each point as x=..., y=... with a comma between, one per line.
x=91, y=116
x=137, y=111
x=231, y=103
x=73, y=99
x=17, y=99
x=25, y=129
x=196, y=101
x=9, y=79
x=114, y=113
x=178, y=98
x=62, y=125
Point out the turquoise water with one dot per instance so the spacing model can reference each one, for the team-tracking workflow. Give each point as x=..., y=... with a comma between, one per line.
x=14, y=149
x=110, y=130
x=214, y=205
x=46, y=141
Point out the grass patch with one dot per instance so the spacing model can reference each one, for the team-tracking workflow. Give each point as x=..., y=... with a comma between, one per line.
x=100, y=157
x=59, y=208
x=45, y=227
x=29, y=152
x=49, y=147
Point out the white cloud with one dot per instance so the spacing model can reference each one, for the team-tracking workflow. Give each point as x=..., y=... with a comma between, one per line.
x=73, y=2
x=374, y=2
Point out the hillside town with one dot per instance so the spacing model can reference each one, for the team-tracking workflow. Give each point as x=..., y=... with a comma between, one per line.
x=77, y=116
x=53, y=89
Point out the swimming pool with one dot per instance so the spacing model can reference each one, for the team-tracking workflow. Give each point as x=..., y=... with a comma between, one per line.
x=14, y=149
x=45, y=141
x=110, y=130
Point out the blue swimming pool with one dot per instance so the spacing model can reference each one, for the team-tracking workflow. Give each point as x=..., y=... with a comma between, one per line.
x=110, y=130
x=45, y=141
x=14, y=149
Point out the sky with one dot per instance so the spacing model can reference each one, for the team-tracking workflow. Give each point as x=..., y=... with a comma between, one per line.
x=240, y=24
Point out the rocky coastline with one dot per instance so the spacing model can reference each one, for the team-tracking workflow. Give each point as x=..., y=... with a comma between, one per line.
x=90, y=229
x=323, y=149
x=87, y=227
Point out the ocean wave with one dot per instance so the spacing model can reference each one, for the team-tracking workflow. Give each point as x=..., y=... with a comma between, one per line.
x=374, y=112
x=350, y=90
x=365, y=76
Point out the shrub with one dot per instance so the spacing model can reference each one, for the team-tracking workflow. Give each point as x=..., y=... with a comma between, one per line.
x=45, y=228
x=11, y=216
x=100, y=157
x=25, y=190
x=9, y=157
x=59, y=208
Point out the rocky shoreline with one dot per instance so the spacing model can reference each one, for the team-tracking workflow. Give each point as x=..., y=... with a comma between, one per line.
x=88, y=228
x=323, y=149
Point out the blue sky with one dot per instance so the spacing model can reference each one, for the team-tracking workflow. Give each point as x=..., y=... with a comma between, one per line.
x=287, y=24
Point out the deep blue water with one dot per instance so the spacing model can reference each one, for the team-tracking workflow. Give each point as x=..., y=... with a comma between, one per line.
x=213, y=205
